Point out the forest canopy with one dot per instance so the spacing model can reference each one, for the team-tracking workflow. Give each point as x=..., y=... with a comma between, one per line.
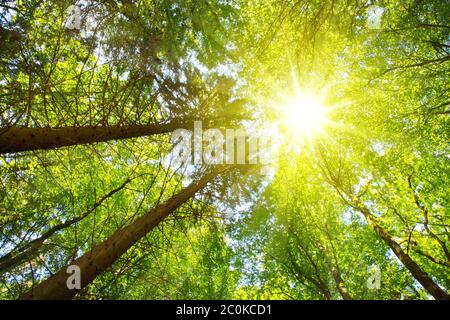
x=133, y=133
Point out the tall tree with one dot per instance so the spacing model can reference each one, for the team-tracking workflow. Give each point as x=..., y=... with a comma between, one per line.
x=103, y=255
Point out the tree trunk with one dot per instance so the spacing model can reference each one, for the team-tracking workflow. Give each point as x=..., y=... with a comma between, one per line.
x=421, y=276
x=340, y=284
x=102, y=256
x=322, y=288
x=16, y=139
x=316, y=281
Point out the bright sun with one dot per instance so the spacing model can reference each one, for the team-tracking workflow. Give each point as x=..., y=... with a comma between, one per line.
x=304, y=114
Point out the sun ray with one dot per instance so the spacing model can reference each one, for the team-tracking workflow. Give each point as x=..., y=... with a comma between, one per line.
x=304, y=114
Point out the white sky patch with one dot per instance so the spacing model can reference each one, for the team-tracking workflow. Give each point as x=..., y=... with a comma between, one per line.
x=378, y=148
x=227, y=69
x=374, y=16
x=192, y=58
x=347, y=216
x=363, y=180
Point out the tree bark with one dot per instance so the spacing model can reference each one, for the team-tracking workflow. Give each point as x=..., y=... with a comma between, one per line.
x=334, y=268
x=340, y=284
x=102, y=256
x=16, y=139
x=421, y=276
x=316, y=281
